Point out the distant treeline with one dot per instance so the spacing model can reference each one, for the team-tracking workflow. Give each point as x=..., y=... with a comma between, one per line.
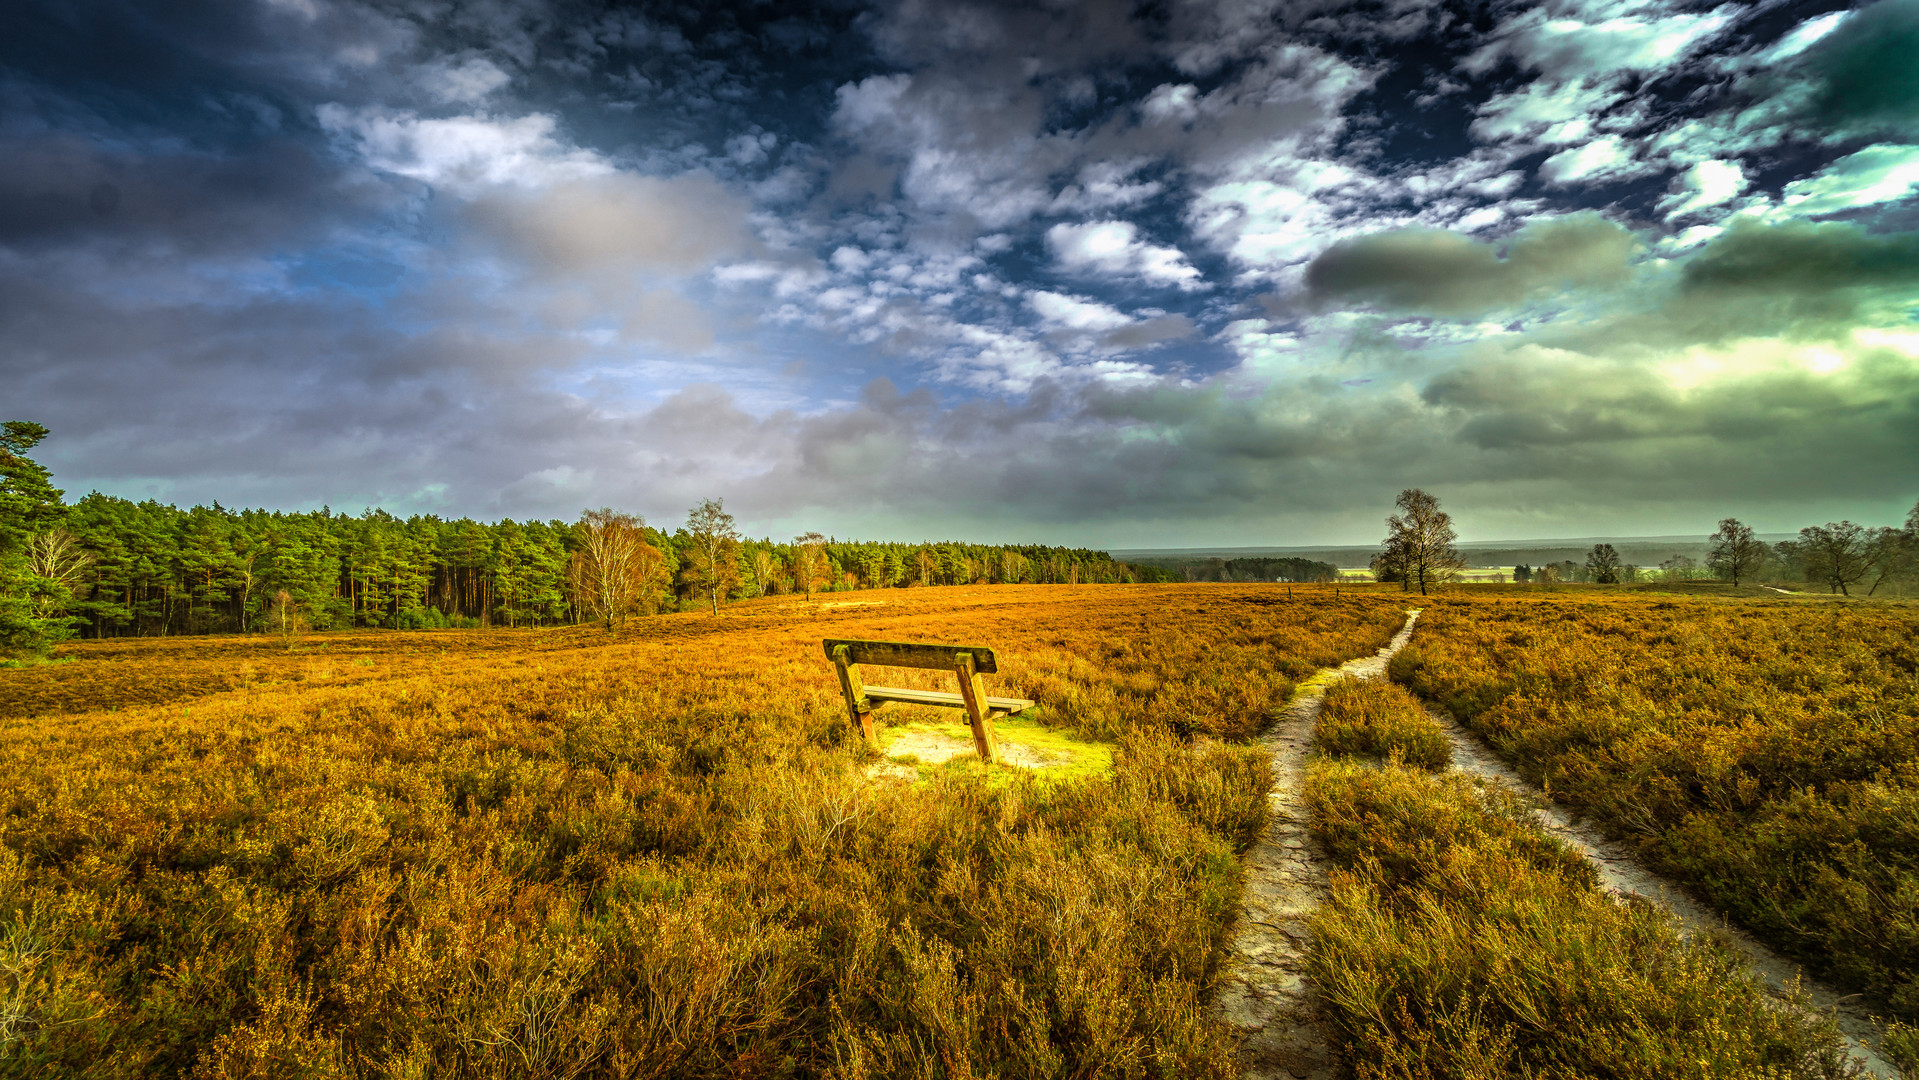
x=155, y=569
x=1247, y=569
x=107, y=567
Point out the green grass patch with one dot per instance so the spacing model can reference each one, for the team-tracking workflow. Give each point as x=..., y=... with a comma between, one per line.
x=1069, y=756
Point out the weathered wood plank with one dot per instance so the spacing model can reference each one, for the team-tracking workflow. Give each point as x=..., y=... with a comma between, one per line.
x=913, y=654
x=974, y=693
x=881, y=694
x=857, y=707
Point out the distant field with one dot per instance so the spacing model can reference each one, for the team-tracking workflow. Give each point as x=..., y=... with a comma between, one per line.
x=548, y=853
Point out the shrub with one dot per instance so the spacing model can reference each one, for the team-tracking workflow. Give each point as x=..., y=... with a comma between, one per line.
x=1459, y=941
x=1375, y=718
x=549, y=853
x=1766, y=754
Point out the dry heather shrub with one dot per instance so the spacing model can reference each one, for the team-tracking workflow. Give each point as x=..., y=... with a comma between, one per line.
x=1375, y=718
x=656, y=855
x=1767, y=754
x=1221, y=670
x=1458, y=941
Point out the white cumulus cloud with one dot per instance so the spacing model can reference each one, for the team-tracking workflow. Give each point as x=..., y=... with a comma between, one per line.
x=1114, y=249
x=1607, y=158
x=1878, y=174
x=1705, y=185
x=1075, y=312
x=463, y=153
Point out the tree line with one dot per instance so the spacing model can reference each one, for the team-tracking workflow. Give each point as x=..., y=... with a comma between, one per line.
x=1419, y=550
x=105, y=566
x=1255, y=568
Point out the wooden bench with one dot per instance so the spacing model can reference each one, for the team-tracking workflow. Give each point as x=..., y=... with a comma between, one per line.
x=968, y=662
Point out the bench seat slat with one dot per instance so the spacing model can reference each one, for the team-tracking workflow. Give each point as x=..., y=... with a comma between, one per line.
x=877, y=694
x=912, y=654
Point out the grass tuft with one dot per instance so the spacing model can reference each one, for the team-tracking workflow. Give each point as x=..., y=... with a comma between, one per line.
x=1375, y=718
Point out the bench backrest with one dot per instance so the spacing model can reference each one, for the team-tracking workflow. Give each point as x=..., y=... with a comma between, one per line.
x=911, y=654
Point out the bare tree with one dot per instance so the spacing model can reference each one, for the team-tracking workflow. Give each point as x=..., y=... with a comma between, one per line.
x=58, y=558
x=1735, y=553
x=615, y=569
x=1419, y=540
x=285, y=610
x=763, y=564
x=713, y=550
x=1604, y=565
x=1389, y=565
x=809, y=562
x=1890, y=551
x=1837, y=554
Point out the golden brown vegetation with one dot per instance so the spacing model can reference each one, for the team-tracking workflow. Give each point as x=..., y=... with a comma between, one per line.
x=1766, y=754
x=555, y=853
x=1376, y=718
x=1459, y=941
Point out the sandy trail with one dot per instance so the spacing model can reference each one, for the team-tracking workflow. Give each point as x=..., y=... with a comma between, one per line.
x=1621, y=874
x=1265, y=994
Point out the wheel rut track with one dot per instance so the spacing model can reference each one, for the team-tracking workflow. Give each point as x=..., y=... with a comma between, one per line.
x=1621, y=874
x=1265, y=994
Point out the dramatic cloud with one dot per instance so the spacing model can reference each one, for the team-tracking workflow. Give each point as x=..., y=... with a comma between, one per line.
x=1448, y=274
x=1866, y=82
x=1175, y=274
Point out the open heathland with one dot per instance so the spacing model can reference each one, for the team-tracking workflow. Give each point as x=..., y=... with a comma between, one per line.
x=662, y=853
x=1765, y=753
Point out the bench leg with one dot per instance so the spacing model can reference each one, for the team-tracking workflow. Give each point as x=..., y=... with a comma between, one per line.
x=855, y=693
x=973, y=692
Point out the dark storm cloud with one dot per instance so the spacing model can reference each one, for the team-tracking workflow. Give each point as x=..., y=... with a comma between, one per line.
x=1772, y=437
x=1439, y=272
x=60, y=190
x=1804, y=258
x=1867, y=79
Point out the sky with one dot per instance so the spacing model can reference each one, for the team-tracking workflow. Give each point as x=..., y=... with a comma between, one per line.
x=1115, y=274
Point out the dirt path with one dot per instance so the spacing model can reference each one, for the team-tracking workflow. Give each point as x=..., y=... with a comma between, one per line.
x=1265, y=994
x=1622, y=875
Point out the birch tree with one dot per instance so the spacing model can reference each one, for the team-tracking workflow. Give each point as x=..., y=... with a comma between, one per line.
x=809, y=562
x=1419, y=541
x=614, y=567
x=712, y=551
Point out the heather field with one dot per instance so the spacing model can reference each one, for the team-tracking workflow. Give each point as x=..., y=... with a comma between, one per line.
x=555, y=853
x=1765, y=753
x=663, y=852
